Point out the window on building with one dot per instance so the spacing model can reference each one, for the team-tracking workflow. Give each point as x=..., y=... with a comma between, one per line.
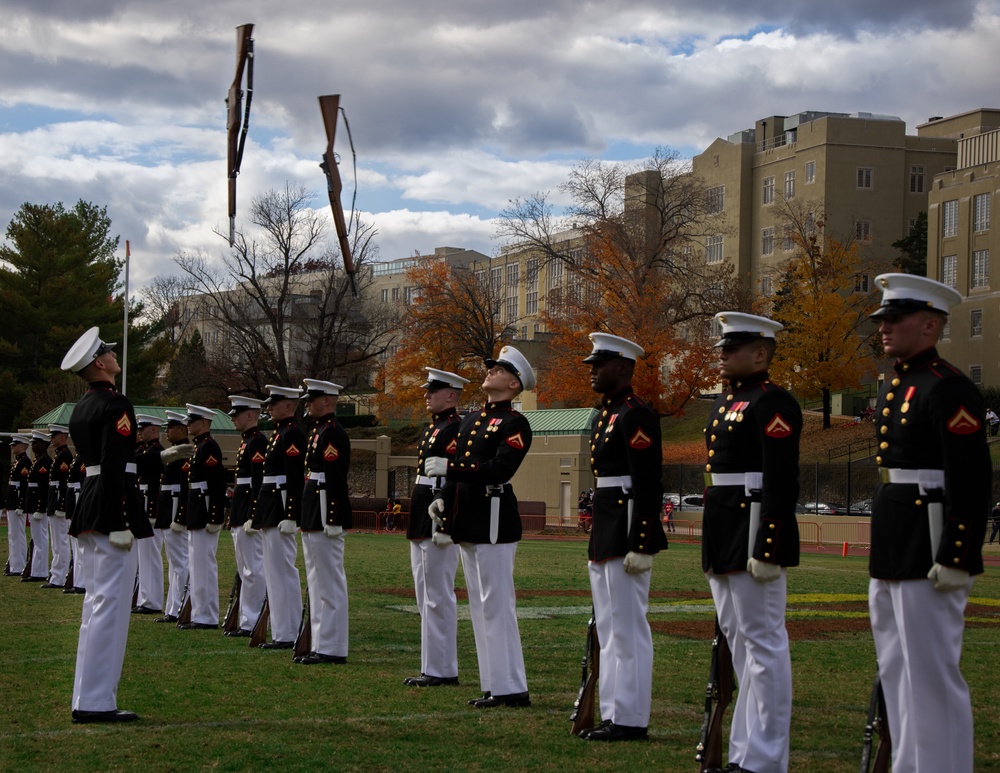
x=946, y=331
x=862, y=283
x=713, y=249
x=395, y=294
x=810, y=172
x=537, y=328
x=385, y=295
x=981, y=212
x=976, y=322
x=767, y=241
x=917, y=173
x=863, y=230
x=787, y=237
x=407, y=295
x=949, y=218
x=716, y=199
x=555, y=274
x=531, y=287
x=496, y=279
x=510, y=308
x=768, y=195
x=911, y=223
x=524, y=332
x=716, y=329
x=766, y=286
x=513, y=278
x=865, y=177
x=981, y=268
x=789, y=185
x=949, y=270
x=976, y=374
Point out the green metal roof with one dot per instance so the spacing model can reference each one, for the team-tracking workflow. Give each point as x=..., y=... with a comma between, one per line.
x=561, y=421
x=222, y=424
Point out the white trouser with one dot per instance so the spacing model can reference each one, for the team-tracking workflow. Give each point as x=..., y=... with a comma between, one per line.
x=752, y=617
x=17, y=541
x=151, y=571
x=176, y=546
x=249, y=550
x=327, y=585
x=204, y=570
x=109, y=576
x=284, y=590
x=74, y=543
x=626, y=676
x=434, y=570
x=61, y=551
x=40, y=556
x=489, y=577
x=918, y=640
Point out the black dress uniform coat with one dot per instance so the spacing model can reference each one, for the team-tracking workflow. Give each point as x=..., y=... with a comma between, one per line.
x=74, y=483
x=206, y=484
x=61, y=466
x=37, y=497
x=491, y=444
x=18, y=484
x=625, y=440
x=754, y=426
x=149, y=469
x=249, y=465
x=329, y=453
x=286, y=455
x=103, y=429
x=174, y=474
x=439, y=439
x=929, y=416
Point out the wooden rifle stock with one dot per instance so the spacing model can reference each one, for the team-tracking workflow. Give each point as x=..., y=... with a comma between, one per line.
x=329, y=106
x=876, y=724
x=236, y=117
x=135, y=590
x=584, y=706
x=27, y=564
x=718, y=694
x=184, y=616
x=232, y=621
x=259, y=635
x=303, y=642
x=69, y=575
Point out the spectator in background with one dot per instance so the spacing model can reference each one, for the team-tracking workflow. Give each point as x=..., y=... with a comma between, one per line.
x=994, y=421
x=995, y=522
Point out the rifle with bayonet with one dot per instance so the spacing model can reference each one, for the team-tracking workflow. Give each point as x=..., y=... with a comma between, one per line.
x=238, y=117
x=877, y=724
x=232, y=621
x=584, y=706
x=329, y=106
x=718, y=695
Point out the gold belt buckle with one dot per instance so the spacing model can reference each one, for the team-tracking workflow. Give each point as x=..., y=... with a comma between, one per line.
x=883, y=474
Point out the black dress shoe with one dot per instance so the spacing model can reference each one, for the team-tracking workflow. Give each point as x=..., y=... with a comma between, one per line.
x=584, y=733
x=115, y=715
x=315, y=658
x=34, y=579
x=425, y=680
x=239, y=632
x=732, y=767
x=613, y=732
x=514, y=700
x=199, y=626
x=144, y=610
x=474, y=701
x=166, y=619
x=278, y=645
x=50, y=585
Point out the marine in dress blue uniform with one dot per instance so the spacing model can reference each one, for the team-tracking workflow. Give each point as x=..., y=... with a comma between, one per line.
x=929, y=519
x=626, y=459
x=484, y=520
x=149, y=468
x=750, y=535
x=77, y=475
x=433, y=556
x=107, y=517
x=17, y=540
x=171, y=513
x=35, y=505
x=62, y=462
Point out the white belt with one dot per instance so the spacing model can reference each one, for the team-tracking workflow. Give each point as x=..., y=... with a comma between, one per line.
x=143, y=487
x=925, y=479
x=276, y=479
x=53, y=484
x=751, y=481
x=319, y=477
x=244, y=481
x=73, y=486
x=200, y=485
x=423, y=480
x=173, y=488
x=32, y=485
x=95, y=469
x=623, y=482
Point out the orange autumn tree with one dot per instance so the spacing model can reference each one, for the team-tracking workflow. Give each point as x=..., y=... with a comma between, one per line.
x=452, y=323
x=824, y=301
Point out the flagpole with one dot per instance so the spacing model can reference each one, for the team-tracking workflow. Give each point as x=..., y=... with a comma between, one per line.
x=128, y=255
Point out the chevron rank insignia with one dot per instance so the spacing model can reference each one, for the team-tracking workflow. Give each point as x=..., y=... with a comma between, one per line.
x=516, y=441
x=124, y=425
x=778, y=427
x=452, y=447
x=292, y=450
x=211, y=461
x=330, y=453
x=963, y=422
x=640, y=440
x=257, y=458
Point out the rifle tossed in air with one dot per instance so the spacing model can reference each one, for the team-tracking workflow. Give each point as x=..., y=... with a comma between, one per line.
x=237, y=116
x=329, y=106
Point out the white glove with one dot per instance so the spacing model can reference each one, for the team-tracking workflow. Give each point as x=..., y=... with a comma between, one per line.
x=36, y=517
x=436, y=466
x=248, y=527
x=177, y=528
x=436, y=511
x=287, y=526
x=213, y=528
x=947, y=579
x=762, y=571
x=176, y=453
x=441, y=539
x=637, y=563
x=121, y=539
x=334, y=532
x=61, y=513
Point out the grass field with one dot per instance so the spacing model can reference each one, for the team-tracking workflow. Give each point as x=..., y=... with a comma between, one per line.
x=208, y=702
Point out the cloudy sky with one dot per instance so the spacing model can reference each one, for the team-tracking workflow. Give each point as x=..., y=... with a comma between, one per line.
x=455, y=106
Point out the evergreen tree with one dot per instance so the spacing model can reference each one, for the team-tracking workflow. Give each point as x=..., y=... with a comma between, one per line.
x=913, y=249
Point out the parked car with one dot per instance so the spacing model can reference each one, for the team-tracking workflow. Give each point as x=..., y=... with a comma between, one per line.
x=692, y=502
x=862, y=507
x=675, y=499
x=825, y=508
